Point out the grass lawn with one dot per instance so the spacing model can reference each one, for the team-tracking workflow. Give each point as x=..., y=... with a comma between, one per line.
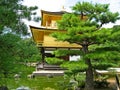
x=38, y=83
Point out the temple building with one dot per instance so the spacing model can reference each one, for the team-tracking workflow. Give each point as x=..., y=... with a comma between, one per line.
x=42, y=38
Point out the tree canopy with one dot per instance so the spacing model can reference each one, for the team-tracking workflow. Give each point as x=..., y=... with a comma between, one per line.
x=84, y=27
x=12, y=27
x=11, y=14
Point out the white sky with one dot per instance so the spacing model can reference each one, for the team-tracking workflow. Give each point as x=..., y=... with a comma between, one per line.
x=56, y=5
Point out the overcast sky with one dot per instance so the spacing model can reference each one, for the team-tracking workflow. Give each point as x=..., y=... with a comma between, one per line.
x=56, y=5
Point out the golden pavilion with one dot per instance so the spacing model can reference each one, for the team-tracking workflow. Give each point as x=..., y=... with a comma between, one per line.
x=42, y=38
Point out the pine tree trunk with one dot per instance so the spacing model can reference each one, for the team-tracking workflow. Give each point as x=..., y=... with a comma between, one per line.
x=89, y=83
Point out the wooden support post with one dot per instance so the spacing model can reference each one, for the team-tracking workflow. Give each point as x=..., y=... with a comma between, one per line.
x=43, y=56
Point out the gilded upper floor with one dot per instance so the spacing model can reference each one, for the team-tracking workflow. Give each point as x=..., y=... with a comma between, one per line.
x=49, y=19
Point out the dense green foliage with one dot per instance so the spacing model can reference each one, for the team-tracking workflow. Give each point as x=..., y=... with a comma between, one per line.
x=63, y=52
x=11, y=14
x=14, y=50
x=27, y=51
x=54, y=61
x=99, y=45
x=8, y=52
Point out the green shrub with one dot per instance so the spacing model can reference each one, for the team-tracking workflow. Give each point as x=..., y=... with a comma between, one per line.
x=54, y=61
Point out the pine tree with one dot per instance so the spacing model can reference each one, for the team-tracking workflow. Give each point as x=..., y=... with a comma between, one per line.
x=84, y=27
x=12, y=13
x=12, y=26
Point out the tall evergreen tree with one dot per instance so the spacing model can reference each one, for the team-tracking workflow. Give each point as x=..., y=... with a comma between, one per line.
x=84, y=27
x=12, y=13
x=8, y=43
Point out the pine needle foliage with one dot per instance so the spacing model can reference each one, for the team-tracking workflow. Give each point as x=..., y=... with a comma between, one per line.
x=12, y=13
x=100, y=46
